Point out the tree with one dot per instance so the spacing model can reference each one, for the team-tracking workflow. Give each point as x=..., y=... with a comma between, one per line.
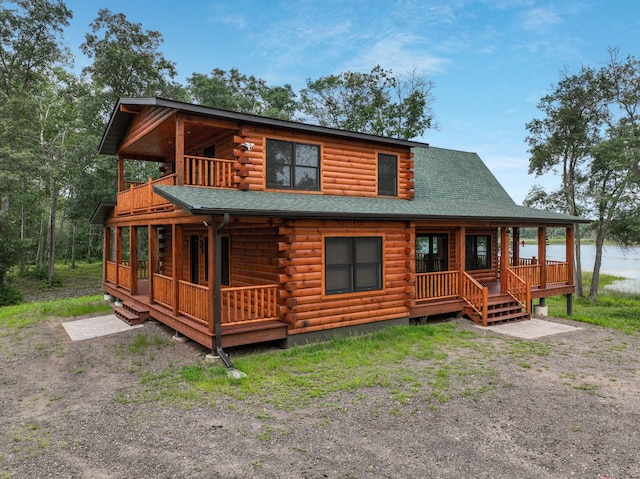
x=377, y=102
x=30, y=48
x=591, y=133
x=126, y=63
x=235, y=91
x=562, y=140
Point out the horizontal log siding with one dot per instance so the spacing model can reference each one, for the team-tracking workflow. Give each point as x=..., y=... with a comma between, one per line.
x=346, y=167
x=253, y=256
x=307, y=309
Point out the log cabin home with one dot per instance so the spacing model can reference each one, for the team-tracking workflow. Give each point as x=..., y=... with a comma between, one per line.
x=257, y=229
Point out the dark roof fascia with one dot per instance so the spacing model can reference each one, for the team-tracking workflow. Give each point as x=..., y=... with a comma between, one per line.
x=101, y=212
x=119, y=122
x=559, y=219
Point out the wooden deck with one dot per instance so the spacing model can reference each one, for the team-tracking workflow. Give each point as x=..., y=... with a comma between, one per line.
x=232, y=333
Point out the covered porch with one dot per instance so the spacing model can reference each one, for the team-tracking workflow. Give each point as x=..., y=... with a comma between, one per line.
x=504, y=287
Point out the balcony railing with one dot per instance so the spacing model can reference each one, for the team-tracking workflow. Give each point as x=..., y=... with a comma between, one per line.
x=441, y=285
x=213, y=172
x=142, y=198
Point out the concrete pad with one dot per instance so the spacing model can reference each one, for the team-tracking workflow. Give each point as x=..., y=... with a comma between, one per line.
x=530, y=329
x=95, y=327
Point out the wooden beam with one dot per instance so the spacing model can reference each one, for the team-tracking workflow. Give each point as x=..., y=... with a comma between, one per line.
x=176, y=259
x=212, y=272
x=179, y=143
x=504, y=257
x=153, y=257
x=542, y=255
x=570, y=249
x=133, y=259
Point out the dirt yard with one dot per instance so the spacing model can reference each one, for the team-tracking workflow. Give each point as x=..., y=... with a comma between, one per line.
x=557, y=407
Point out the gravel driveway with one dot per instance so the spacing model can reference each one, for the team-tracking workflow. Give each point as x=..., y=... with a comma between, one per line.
x=561, y=406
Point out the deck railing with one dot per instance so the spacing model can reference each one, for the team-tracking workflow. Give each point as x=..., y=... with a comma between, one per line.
x=476, y=295
x=530, y=273
x=142, y=269
x=557, y=272
x=441, y=285
x=193, y=301
x=142, y=198
x=163, y=289
x=124, y=276
x=111, y=271
x=519, y=289
x=213, y=172
x=249, y=303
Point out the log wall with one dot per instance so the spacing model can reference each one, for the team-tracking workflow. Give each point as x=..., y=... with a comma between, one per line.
x=305, y=306
x=254, y=253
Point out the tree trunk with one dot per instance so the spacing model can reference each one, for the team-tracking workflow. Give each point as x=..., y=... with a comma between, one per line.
x=593, y=291
x=577, y=277
x=73, y=244
x=23, y=226
x=51, y=247
x=41, y=243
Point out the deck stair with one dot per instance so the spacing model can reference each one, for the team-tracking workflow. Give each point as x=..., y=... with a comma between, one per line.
x=501, y=309
x=131, y=313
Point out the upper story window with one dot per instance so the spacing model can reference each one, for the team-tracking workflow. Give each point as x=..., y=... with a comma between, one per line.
x=387, y=175
x=292, y=165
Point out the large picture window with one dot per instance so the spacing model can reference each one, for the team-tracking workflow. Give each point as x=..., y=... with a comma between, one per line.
x=352, y=264
x=431, y=253
x=294, y=166
x=478, y=252
x=387, y=175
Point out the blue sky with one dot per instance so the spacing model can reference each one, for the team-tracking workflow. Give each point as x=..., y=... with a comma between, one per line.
x=491, y=60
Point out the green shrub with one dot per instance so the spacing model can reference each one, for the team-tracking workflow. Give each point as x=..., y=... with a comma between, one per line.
x=9, y=295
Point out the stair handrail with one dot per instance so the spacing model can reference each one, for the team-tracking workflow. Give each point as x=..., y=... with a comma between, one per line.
x=519, y=290
x=476, y=296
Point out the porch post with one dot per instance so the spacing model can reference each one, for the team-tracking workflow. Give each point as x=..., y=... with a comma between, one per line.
x=153, y=257
x=542, y=255
x=460, y=253
x=120, y=173
x=504, y=258
x=176, y=252
x=179, y=151
x=569, y=255
x=515, y=245
x=106, y=252
x=212, y=273
x=118, y=238
x=133, y=259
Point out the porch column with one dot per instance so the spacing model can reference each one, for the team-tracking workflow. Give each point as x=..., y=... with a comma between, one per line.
x=120, y=173
x=542, y=255
x=176, y=259
x=153, y=257
x=106, y=252
x=133, y=259
x=179, y=151
x=118, y=238
x=504, y=257
x=460, y=253
x=569, y=255
x=515, y=245
x=212, y=273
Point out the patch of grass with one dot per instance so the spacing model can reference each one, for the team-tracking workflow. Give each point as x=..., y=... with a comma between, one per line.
x=24, y=315
x=143, y=342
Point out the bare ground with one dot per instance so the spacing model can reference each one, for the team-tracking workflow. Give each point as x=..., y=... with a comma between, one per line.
x=557, y=407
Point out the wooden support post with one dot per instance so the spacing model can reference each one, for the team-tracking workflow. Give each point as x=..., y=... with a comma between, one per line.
x=118, y=252
x=179, y=151
x=211, y=272
x=153, y=257
x=515, y=245
x=120, y=173
x=504, y=258
x=570, y=251
x=176, y=252
x=106, y=251
x=133, y=259
x=542, y=255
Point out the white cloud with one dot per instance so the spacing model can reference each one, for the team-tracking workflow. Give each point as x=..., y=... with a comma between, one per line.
x=539, y=19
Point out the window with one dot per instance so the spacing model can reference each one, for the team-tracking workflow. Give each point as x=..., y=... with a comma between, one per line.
x=478, y=252
x=431, y=253
x=294, y=166
x=353, y=264
x=387, y=175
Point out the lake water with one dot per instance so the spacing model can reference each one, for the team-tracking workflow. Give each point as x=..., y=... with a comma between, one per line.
x=615, y=261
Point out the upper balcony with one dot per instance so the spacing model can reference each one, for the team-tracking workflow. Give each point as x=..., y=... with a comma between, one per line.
x=139, y=198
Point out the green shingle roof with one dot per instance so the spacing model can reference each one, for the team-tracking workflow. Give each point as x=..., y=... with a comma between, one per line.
x=449, y=184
